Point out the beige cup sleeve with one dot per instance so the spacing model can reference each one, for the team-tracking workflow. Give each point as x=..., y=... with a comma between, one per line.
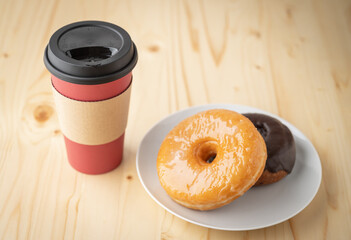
x=93, y=123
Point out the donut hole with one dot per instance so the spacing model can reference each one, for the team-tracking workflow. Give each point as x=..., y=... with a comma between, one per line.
x=206, y=152
x=211, y=158
x=262, y=128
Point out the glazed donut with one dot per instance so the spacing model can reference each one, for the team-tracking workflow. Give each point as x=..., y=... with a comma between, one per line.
x=280, y=147
x=210, y=159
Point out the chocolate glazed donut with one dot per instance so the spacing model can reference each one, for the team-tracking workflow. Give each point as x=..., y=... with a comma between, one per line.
x=280, y=145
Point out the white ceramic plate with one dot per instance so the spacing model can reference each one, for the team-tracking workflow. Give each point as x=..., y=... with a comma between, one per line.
x=260, y=206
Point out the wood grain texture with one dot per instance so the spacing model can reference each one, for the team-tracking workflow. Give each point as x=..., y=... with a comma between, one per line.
x=291, y=58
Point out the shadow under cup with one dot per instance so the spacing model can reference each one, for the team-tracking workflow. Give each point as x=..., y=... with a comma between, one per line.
x=91, y=62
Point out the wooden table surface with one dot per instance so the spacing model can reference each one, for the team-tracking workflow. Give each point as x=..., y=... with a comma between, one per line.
x=291, y=58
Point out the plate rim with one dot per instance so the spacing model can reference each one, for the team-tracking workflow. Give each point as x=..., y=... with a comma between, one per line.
x=226, y=106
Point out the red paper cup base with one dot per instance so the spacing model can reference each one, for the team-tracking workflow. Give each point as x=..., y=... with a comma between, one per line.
x=95, y=159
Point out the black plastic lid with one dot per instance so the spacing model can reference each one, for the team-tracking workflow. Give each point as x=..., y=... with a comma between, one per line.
x=90, y=52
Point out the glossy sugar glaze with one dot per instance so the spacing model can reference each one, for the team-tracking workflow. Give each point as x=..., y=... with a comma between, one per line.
x=240, y=159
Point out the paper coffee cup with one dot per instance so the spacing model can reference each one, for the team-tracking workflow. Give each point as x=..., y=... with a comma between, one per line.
x=91, y=64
